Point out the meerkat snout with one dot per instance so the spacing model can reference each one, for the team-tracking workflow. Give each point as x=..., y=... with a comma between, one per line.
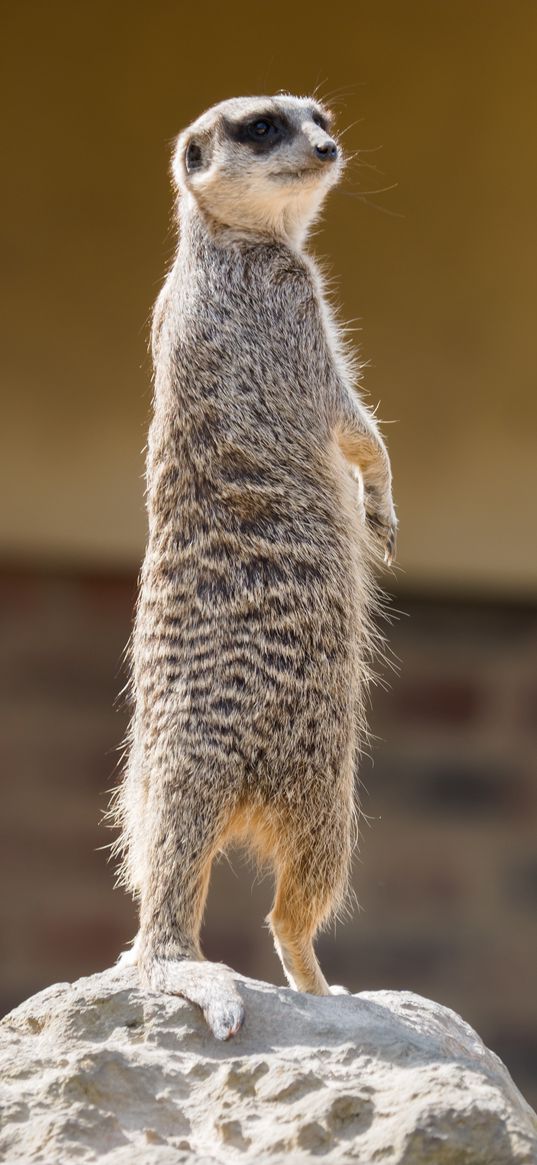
x=327, y=152
x=260, y=165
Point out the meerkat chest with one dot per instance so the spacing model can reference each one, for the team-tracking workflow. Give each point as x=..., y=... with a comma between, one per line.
x=235, y=358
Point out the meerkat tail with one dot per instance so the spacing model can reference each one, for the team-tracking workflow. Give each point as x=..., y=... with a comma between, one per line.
x=209, y=985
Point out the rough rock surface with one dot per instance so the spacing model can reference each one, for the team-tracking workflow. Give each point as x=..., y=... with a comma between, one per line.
x=100, y=1070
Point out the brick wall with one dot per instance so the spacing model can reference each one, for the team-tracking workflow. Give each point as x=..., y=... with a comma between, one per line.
x=447, y=872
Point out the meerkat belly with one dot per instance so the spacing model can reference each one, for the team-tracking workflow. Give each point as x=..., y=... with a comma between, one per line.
x=257, y=632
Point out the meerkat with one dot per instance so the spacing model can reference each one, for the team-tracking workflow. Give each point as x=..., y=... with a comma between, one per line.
x=253, y=631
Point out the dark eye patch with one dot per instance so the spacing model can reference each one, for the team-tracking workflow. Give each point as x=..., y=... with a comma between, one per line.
x=320, y=119
x=261, y=133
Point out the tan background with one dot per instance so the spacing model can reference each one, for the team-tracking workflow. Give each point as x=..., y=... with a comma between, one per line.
x=441, y=273
x=443, y=277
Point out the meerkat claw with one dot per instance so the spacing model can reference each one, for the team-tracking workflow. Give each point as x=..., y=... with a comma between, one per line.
x=389, y=551
x=386, y=532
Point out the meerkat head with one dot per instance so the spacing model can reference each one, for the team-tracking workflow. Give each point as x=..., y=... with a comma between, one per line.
x=260, y=165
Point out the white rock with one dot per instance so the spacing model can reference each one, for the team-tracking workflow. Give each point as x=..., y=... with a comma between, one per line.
x=100, y=1070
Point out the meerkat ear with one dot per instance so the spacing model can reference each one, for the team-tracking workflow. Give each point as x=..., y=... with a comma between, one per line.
x=193, y=156
x=192, y=153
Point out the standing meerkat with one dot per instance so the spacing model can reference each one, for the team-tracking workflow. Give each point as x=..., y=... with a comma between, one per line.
x=252, y=634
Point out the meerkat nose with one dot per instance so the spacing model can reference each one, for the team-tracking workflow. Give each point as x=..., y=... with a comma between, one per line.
x=327, y=152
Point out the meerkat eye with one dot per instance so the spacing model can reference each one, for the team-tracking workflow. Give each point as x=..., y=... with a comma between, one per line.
x=261, y=128
x=319, y=120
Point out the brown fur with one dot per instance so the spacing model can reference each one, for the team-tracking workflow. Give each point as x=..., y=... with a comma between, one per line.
x=253, y=637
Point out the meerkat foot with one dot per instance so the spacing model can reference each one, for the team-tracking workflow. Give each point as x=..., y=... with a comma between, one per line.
x=337, y=989
x=208, y=985
x=129, y=958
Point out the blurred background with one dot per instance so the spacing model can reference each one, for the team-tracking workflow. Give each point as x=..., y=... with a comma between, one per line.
x=431, y=240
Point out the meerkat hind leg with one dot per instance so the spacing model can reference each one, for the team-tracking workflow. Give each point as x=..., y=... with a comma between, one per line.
x=293, y=930
x=299, y=961
x=310, y=882
x=172, y=902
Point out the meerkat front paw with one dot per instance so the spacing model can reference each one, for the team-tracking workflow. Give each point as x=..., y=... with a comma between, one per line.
x=382, y=521
x=337, y=989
